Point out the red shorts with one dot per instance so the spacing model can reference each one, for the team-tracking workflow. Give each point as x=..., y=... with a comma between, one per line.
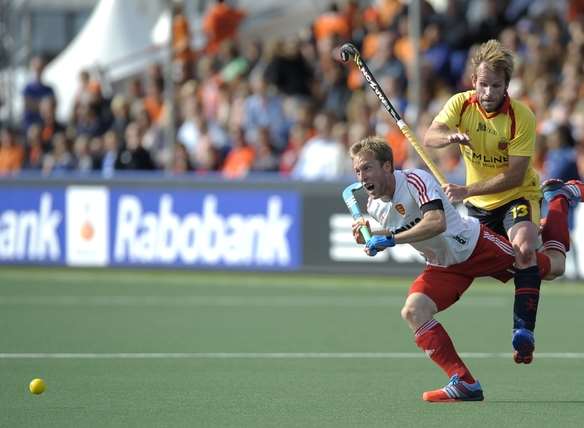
x=493, y=256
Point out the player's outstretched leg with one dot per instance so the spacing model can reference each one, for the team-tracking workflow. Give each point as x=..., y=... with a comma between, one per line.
x=572, y=190
x=556, y=236
x=433, y=339
x=456, y=390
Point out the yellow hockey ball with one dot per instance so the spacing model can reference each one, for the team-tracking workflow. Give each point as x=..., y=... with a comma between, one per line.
x=37, y=386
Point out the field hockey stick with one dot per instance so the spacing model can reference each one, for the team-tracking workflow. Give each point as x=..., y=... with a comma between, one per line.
x=351, y=202
x=347, y=52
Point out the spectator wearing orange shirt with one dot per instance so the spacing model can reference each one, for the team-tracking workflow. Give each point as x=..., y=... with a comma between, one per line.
x=332, y=24
x=154, y=101
x=183, y=55
x=221, y=23
x=11, y=153
x=241, y=157
x=387, y=10
x=404, y=47
x=370, y=45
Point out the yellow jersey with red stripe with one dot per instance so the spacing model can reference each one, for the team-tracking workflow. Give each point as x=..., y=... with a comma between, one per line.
x=509, y=131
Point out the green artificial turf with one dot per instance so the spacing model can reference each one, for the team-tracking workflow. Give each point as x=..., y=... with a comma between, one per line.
x=153, y=348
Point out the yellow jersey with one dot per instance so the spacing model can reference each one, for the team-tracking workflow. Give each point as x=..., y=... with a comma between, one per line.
x=509, y=131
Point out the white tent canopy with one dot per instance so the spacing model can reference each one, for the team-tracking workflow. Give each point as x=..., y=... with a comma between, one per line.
x=116, y=36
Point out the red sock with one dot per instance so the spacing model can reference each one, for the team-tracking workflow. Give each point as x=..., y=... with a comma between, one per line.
x=435, y=342
x=555, y=233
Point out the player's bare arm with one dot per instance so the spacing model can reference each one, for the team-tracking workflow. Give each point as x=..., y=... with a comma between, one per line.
x=439, y=135
x=433, y=223
x=512, y=177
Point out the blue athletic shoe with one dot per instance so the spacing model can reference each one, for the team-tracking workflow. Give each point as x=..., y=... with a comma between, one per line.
x=523, y=344
x=572, y=190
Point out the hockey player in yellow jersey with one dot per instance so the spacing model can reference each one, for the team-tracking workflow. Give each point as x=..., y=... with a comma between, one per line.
x=500, y=147
x=496, y=137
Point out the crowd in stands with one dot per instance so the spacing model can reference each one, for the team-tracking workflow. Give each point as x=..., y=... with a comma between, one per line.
x=287, y=106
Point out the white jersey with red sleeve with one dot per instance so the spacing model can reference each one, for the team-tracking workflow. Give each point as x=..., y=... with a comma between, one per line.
x=416, y=192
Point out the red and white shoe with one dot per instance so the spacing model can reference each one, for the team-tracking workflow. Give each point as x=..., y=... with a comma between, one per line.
x=572, y=190
x=456, y=390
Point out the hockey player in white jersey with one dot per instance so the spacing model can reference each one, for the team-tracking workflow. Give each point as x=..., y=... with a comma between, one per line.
x=416, y=193
x=412, y=209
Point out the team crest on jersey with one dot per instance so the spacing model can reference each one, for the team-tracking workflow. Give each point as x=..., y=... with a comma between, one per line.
x=400, y=209
x=503, y=143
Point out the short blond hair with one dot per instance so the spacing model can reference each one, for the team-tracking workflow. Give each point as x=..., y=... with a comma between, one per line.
x=373, y=144
x=495, y=56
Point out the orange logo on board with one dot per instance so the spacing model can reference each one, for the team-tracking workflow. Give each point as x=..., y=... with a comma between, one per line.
x=87, y=231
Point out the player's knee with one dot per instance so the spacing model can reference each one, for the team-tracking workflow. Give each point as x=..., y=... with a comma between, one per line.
x=415, y=314
x=524, y=255
x=407, y=313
